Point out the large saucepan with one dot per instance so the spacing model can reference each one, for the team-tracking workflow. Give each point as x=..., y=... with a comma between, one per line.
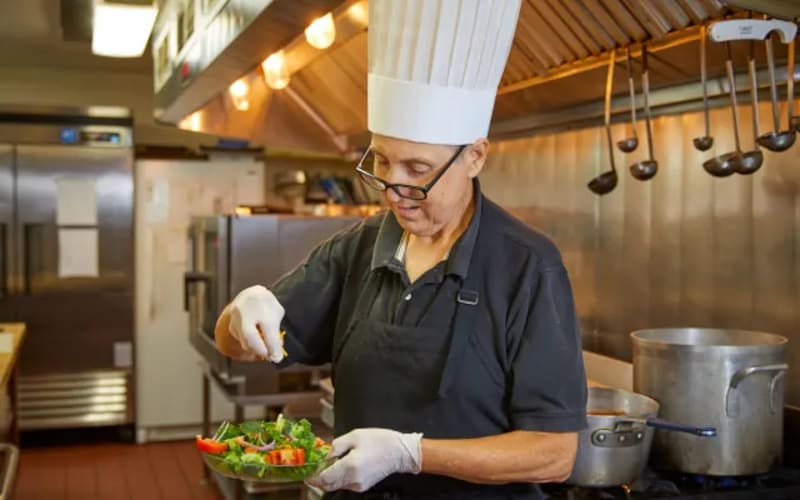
x=731, y=379
x=615, y=447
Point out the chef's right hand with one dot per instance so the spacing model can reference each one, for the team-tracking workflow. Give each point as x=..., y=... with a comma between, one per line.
x=255, y=321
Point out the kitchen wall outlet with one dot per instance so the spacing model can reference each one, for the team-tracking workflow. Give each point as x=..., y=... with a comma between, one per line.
x=123, y=354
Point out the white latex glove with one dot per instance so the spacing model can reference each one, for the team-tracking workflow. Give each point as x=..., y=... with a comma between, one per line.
x=373, y=455
x=254, y=309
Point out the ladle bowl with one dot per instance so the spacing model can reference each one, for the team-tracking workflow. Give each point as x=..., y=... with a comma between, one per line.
x=644, y=170
x=750, y=162
x=607, y=181
x=703, y=143
x=603, y=183
x=723, y=165
x=777, y=141
x=628, y=145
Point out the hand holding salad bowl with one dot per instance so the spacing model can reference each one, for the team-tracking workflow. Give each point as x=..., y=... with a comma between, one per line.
x=261, y=451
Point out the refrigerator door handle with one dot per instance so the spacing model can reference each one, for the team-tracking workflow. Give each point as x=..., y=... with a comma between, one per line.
x=25, y=265
x=4, y=256
x=193, y=277
x=27, y=261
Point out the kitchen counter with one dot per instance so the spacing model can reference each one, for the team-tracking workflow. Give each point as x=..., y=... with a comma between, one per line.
x=8, y=360
x=9, y=431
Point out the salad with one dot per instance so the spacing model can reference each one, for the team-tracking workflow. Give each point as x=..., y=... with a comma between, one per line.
x=257, y=450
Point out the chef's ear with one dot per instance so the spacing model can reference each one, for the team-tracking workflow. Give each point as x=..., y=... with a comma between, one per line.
x=476, y=154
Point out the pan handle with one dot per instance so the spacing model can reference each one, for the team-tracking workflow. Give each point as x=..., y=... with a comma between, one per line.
x=691, y=429
x=731, y=401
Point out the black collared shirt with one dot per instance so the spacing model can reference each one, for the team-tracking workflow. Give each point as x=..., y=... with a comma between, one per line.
x=529, y=340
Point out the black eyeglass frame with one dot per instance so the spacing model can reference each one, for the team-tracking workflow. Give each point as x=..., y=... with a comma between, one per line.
x=366, y=177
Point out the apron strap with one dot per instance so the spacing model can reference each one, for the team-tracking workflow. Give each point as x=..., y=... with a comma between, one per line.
x=463, y=327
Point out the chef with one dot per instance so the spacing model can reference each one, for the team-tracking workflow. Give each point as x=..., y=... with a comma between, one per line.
x=449, y=325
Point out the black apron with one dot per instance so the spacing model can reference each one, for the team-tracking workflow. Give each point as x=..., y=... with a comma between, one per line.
x=402, y=378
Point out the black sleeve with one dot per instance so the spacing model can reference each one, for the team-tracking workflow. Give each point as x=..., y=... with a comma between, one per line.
x=549, y=390
x=310, y=295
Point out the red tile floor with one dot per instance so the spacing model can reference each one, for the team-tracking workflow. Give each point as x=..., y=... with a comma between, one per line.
x=112, y=471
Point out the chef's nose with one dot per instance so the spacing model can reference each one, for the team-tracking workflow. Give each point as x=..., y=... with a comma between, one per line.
x=392, y=196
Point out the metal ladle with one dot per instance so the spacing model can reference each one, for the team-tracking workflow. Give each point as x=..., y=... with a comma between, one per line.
x=705, y=142
x=607, y=181
x=752, y=160
x=776, y=140
x=794, y=121
x=646, y=169
x=728, y=163
x=629, y=144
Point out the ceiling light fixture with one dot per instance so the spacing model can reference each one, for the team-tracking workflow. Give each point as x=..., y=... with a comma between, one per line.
x=122, y=30
x=238, y=91
x=276, y=71
x=239, y=88
x=359, y=12
x=321, y=32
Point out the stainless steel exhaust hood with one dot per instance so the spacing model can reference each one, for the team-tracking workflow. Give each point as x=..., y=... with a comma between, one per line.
x=200, y=47
x=779, y=9
x=555, y=66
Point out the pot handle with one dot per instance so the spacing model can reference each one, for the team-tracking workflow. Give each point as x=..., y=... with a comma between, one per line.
x=691, y=429
x=731, y=401
x=670, y=426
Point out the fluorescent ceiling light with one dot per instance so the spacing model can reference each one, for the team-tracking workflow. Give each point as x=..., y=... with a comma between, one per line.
x=122, y=30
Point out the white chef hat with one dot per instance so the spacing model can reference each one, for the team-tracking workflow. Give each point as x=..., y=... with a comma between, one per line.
x=435, y=65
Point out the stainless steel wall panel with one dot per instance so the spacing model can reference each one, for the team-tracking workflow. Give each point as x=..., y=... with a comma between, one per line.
x=696, y=226
x=636, y=233
x=684, y=249
x=731, y=250
x=584, y=277
x=666, y=213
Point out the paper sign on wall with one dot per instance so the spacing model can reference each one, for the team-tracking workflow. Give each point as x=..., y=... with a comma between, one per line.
x=77, y=205
x=6, y=343
x=77, y=253
x=157, y=201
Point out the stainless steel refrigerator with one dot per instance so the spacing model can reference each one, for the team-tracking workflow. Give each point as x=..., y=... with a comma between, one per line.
x=66, y=264
x=230, y=253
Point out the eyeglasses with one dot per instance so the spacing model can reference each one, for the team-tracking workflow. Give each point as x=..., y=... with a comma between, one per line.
x=403, y=190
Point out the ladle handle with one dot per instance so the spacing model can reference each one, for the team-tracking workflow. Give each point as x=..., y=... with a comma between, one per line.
x=704, y=75
x=734, y=105
x=790, y=84
x=632, y=90
x=607, y=110
x=751, y=68
x=772, y=89
x=646, y=92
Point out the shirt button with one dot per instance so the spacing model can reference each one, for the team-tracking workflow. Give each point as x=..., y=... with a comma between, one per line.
x=408, y=297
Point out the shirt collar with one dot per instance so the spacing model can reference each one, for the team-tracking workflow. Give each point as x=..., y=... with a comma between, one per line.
x=390, y=235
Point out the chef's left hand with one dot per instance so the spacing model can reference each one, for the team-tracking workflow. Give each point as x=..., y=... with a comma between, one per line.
x=373, y=455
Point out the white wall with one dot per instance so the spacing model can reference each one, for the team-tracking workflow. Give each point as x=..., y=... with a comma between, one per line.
x=168, y=371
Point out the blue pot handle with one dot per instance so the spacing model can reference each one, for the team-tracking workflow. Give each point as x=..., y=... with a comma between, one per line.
x=672, y=426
